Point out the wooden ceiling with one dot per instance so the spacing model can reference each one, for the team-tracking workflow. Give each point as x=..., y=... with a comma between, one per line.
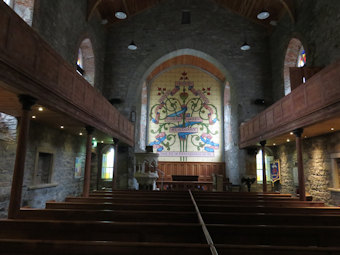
x=246, y=8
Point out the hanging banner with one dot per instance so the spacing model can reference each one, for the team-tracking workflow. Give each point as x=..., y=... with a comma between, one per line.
x=275, y=170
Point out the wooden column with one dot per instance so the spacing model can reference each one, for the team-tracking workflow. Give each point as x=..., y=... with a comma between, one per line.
x=87, y=174
x=298, y=132
x=264, y=176
x=115, y=164
x=19, y=165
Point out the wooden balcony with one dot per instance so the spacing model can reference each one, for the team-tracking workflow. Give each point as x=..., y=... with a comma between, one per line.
x=28, y=65
x=308, y=106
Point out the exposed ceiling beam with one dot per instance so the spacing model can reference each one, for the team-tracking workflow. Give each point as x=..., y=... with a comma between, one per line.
x=91, y=7
x=289, y=7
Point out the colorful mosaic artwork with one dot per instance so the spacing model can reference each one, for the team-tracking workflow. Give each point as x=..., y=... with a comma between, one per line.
x=184, y=114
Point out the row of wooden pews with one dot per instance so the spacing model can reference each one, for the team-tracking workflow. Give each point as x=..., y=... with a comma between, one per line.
x=150, y=222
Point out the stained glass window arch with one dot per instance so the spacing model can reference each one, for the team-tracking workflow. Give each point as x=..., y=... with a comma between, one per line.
x=108, y=164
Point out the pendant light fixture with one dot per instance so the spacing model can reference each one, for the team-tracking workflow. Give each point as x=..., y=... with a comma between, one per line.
x=245, y=46
x=132, y=46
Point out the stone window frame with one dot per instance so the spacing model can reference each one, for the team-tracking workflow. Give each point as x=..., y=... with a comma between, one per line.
x=335, y=172
x=88, y=60
x=291, y=59
x=36, y=185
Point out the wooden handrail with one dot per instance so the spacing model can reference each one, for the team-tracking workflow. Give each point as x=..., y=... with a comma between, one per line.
x=204, y=227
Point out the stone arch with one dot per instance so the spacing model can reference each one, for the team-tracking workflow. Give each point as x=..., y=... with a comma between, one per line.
x=88, y=62
x=231, y=152
x=291, y=59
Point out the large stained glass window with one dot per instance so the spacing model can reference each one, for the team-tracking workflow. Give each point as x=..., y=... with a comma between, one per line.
x=107, y=164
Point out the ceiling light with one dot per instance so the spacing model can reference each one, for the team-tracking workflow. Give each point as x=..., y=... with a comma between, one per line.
x=93, y=138
x=305, y=136
x=102, y=141
x=332, y=129
x=61, y=127
x=291, y=133
x=245, y=46
x=80, y=133
x=288, y=140
x=263, y=15
x=33, y=117
x=132, y=46
x=40, y=109
x=120, y=15
x=274, y=144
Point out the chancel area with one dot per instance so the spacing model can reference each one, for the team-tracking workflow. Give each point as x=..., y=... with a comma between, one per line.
x=169, y=127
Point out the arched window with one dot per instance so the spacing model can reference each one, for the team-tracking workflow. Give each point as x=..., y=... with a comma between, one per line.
x=295, y=57
x=107, y=164
x=8, y=2
x=259, y=167
x=24, y=8
x=85, y=61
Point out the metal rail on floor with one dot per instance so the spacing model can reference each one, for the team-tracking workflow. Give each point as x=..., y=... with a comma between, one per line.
x=204, y=227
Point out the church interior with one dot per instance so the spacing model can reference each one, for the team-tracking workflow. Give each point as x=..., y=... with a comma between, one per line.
x=170, y=126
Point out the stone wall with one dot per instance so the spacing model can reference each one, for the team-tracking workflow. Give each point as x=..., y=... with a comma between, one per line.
x=317, y=166
x=215, y=35
x=65, y=147
x=8, y=130
x=63, y=25
x=316, y=26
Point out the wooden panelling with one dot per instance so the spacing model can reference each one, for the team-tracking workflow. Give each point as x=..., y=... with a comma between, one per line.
x=22, y=45
x=203, y=169
x=287, y=107
x=47, y=68
x=314, y=96
x=65, y=81
x=270, y=118
x=314, y=101
x=4, y=21
x=299, y=100
x=263, y=121
x=36, y=69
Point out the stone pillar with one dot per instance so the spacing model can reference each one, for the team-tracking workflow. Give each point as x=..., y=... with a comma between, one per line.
x=115, y=164
x=87, y=174
x=298, y=132
x=264, y=176
x=19, y=165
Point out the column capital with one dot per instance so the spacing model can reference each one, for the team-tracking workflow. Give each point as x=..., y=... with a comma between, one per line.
x=115, y=141
x=263, y=143
x=298, y=132
x=27, y=101
x=89, y=130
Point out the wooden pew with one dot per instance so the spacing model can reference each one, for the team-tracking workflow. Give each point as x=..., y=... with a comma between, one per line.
x=271, y=219
x=53, y=247
x=321, y=236
x=101, y=231
x=108, y=215
x=57, y=247
x=241, y=202
x=110, y=206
